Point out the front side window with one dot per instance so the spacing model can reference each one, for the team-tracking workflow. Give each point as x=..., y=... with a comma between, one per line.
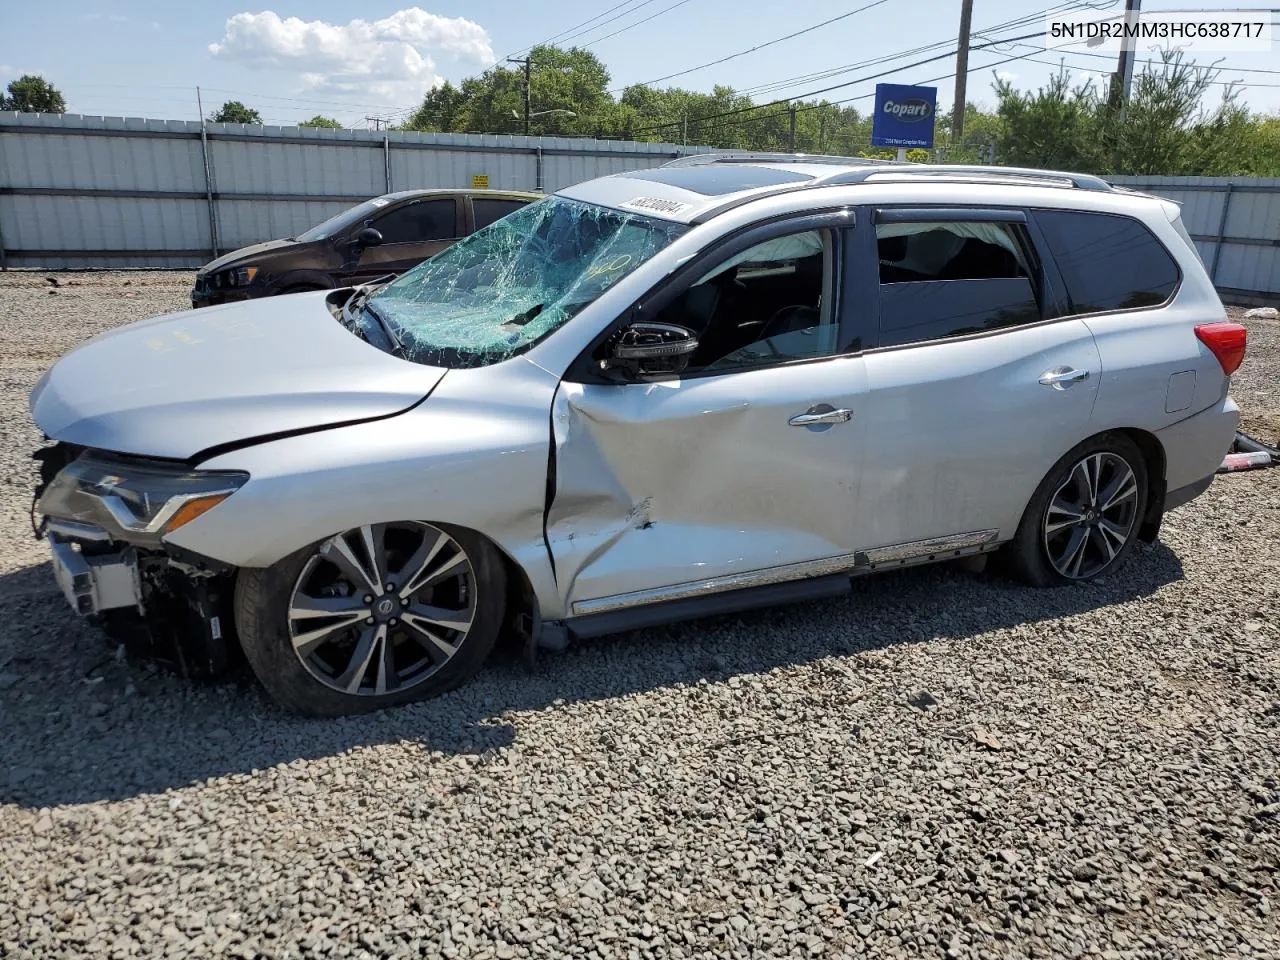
x=1108, y=262
x=343, y=221
x=419, y=222
x=953, y=278
x=502, y=289
x=768, y=304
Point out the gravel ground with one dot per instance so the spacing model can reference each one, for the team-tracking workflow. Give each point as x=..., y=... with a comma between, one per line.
x=941, y=765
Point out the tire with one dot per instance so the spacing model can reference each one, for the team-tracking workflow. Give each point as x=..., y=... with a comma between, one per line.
x=1053, y=547
x=317, y=644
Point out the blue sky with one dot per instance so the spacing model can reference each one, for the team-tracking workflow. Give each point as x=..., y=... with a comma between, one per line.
x=291, y=60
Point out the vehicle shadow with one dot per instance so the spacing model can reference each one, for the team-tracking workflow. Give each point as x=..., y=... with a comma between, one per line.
x=79, y=724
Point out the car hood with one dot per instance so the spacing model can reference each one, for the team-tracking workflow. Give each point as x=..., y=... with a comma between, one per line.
x=250, y=252
x=177, y=385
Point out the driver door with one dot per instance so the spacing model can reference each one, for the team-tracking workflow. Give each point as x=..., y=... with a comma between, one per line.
x=743, y=469
x=411, y=233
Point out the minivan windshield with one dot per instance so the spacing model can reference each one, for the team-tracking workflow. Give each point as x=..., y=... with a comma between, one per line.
x=505, y=287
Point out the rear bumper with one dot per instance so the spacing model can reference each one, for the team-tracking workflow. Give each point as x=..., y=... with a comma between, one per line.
x=1194, y=448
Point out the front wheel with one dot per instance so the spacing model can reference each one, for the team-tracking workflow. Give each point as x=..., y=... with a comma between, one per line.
x=377, y=616
x=1083, y=520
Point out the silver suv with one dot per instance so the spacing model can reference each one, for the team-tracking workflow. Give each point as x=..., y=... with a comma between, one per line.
x=727, y=382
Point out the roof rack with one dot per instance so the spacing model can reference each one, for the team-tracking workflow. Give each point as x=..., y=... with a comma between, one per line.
x=703, y=159
x=977, y=174
x=892, y=168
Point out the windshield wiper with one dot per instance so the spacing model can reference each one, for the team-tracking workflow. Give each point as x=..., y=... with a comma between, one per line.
x=520, y=319
x=397, y=347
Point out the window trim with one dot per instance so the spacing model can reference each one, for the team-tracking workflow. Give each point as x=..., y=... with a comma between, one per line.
x=841, y=220
x=1050, y=293
x=1065, y=294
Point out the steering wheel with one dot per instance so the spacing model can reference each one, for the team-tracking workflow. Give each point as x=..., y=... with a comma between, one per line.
x=784, y=320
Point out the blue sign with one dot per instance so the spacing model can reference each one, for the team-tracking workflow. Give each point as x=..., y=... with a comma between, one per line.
x=903, y=116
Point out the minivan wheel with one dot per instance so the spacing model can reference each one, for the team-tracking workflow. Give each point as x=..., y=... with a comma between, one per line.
x=379, y=615
x=1084, y=518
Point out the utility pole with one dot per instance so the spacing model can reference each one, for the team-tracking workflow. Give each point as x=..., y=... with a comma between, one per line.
x=791, y=138
x=962, y=74
x=1124, y=67
x=528, y=76
x=378, y=122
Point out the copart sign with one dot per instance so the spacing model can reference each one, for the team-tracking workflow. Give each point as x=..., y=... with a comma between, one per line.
x=903, y=116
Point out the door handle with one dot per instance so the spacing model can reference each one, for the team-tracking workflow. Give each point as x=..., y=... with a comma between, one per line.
x=815, y=419
x=1062, y=377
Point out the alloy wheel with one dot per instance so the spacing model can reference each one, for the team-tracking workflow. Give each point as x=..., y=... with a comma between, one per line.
x=1091, y=516
x=383, y=607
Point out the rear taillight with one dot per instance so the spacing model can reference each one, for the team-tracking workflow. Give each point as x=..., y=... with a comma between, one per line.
x=1226, y=341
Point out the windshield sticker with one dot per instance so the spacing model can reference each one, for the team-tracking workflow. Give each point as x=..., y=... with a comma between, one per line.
x=380, y=202
x=656, y=205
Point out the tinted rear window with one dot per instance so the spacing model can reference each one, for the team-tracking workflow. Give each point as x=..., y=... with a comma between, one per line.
x=713, y=180
x=487, y=210
x=1108, y=262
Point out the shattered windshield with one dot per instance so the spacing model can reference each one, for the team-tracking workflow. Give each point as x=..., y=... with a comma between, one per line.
x=507, y=286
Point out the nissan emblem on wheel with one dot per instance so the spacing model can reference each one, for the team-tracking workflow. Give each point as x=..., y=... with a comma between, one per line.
x=729, y=382
x=903, y=116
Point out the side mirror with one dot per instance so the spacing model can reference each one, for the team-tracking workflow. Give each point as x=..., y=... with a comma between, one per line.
x=366, y=237
x=649, y=348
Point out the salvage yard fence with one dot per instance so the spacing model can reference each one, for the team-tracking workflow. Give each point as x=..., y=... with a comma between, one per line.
x=84, y=192
x=79, y=192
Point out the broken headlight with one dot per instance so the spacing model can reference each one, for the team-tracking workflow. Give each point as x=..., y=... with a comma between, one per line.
x=139, y=502
x=235, y=277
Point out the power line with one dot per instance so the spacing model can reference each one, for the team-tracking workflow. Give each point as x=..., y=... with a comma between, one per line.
x=924, y=48
x=759, y=46
x=867, y=96
x=1104, y=72
x=847, y=83
x=565, y=34
x=591, y=43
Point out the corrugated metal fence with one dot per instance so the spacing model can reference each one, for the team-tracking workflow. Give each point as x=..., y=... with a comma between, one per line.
x=111, y=192
x=102, y=192
x=1235, y=222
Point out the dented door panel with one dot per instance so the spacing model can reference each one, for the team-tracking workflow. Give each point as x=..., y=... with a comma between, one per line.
x=670, y=483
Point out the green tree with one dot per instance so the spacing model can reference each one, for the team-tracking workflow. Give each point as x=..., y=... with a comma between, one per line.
x=32, y=94
x=562, y=82
x=321, y=121
x=233, y=111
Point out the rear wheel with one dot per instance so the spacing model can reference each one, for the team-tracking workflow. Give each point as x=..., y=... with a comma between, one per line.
x=376, y=616
x=1084, y=518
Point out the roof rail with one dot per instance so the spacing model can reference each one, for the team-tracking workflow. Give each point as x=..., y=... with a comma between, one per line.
x=976, y=174
x=703, y=159
x=874, y=168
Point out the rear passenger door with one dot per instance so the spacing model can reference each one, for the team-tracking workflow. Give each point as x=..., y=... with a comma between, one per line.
x=976, y=385
x=485, y=210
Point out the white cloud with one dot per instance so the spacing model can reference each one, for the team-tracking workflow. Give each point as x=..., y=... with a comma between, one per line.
x=394, y=57
x=1006, y=75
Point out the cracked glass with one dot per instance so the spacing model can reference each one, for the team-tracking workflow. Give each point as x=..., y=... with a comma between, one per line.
x=506, y=287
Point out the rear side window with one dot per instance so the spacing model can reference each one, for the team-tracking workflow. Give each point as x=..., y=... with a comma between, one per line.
x=1108, y=262
x=487, y=211
x=953, y=278
x=419, y=222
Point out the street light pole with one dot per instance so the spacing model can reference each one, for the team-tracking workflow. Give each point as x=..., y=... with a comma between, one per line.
x=528, y=76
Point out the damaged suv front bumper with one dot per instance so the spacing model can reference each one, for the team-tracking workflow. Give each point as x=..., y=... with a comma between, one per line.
x=156, y=599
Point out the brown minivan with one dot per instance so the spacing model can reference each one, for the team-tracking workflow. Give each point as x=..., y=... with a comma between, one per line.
x=385, y=235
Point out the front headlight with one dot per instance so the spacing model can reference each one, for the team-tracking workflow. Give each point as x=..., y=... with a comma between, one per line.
x=235, y=277
x=136, y=502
